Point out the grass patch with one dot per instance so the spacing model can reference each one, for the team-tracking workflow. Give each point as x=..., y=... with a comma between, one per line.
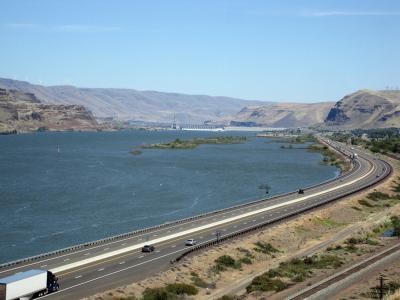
x=303, y=267
x=197, y=281
x=172, y=291
x=225, y=261
x=193, y=143
x=265, y=248
x=366, y=203
x=246, y=260
x=326, y=222
x=229, y=297
x=329, y=157
x=376, y=196
x=266, y=284
x=356, y=208
x=296, y=270
x=389, y=288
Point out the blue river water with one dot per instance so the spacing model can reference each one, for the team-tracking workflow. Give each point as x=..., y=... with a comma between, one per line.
x=93, y=187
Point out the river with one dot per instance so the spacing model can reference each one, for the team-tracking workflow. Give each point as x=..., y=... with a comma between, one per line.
x=61, y=189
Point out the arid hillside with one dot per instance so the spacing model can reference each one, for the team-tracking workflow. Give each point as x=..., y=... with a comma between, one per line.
x=23, y=112
x=285, y=114
x=366, y=109
x=130, y=104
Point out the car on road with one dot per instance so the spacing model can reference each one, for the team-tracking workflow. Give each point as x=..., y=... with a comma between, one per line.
x=190, y=242
x=148, y=248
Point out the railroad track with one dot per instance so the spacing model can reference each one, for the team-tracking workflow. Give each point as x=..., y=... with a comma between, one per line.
x=344, y=274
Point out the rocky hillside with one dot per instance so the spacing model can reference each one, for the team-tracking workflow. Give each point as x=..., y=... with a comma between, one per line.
x=129, y=104
x=366, y=109
x=285, y=114
x=24, y=112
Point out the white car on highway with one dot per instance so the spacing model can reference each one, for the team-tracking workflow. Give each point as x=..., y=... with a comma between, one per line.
x=190, y=242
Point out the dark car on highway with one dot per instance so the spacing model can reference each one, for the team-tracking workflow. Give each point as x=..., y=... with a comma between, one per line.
x=148, y=248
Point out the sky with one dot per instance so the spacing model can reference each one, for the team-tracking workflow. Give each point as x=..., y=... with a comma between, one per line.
x=292, y=51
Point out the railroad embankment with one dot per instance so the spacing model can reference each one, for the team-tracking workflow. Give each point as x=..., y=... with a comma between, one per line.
x=271, y=263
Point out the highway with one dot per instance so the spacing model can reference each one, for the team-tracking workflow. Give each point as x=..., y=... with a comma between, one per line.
x=109, y=264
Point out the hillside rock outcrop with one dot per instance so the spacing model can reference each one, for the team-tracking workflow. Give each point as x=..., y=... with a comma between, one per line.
x=366, y=109
x=24, y=112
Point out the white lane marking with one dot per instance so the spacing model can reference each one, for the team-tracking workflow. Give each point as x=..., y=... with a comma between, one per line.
x=210, y=225
x=44, y=266
x=173, y=246
x=67, y=259
x=105, y=249
x=158, y=251
x=79, y=276
x=101, y=269
x=113, y=273
x=141, y=256
x=86, y=253
x=123, y=244
x=122, y=262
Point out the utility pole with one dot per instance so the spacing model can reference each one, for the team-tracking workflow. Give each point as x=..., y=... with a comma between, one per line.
x=381, y=287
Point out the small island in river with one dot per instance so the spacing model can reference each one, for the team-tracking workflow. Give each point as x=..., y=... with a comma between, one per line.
x=193, y=143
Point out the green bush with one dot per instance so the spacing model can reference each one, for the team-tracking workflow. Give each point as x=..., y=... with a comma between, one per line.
x=246, y=260
x=197, y=281
x=376, y=196
x=266, y=248
x=158, y=294
x=181, y=288
x=365, y=203
x=264, y=283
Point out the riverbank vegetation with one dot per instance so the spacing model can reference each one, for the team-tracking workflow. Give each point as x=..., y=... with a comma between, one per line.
x=384, y=140
x=193, y=143
x=329, y=157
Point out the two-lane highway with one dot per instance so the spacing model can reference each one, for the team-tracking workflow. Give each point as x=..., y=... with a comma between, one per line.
x=114, y=263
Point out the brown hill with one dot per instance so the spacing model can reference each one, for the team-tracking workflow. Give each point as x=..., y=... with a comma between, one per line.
x=366, y=109
x=23, y=112
x=130, y=104
x=285, y=114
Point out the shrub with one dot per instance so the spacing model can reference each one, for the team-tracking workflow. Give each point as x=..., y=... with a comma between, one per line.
x=197, y=281
x=264, y=283
x=157, y=294
x=225, y=260
x=246, y=260
x=266, y=248
x=365, y=203
x=181, y=288
x=376, y=196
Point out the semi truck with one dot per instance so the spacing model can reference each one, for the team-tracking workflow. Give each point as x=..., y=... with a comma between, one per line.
x=28, y=285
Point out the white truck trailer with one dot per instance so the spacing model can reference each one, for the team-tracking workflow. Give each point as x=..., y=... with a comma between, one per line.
x=28, y=285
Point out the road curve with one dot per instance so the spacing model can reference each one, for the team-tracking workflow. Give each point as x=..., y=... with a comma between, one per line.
x=110, y=264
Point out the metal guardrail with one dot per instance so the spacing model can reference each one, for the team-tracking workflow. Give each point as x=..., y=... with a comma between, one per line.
x=281, y=218
x=180, y=221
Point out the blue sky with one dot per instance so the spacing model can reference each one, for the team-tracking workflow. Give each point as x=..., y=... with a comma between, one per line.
x=300, y=51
